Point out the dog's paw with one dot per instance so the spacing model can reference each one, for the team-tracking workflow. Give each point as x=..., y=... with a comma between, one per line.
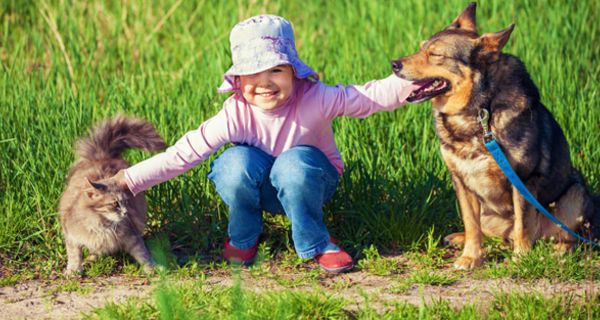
x=454, y=239
x=521, y=248
x=564, y=247
x=516, y=257
x=468, y=263
x=71, y=273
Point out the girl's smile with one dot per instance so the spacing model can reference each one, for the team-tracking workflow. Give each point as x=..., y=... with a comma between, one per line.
x=267, y=93
x=268, y=89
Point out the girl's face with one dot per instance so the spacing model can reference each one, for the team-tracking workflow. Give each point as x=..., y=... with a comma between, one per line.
x=268, y=89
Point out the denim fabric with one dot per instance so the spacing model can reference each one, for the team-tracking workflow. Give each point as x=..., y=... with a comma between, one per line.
x=297, y=182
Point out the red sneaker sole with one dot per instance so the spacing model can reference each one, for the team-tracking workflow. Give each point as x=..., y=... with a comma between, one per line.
x=337, y=270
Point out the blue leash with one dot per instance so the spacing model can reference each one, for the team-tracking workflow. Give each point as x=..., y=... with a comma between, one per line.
x=496, y=152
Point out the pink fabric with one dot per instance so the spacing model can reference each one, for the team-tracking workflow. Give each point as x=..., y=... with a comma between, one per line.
x=305, y=119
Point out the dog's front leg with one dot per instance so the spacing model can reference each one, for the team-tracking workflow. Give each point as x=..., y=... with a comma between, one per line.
x=524, y=226
x=473, y=253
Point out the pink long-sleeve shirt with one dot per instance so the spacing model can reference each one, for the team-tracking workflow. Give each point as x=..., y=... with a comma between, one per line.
x=305, y=119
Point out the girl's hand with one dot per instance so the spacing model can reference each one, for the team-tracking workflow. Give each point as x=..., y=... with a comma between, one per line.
x=119, y=180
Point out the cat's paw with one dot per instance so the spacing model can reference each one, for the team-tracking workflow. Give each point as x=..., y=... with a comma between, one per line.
x=149, y=268
x=153, y=268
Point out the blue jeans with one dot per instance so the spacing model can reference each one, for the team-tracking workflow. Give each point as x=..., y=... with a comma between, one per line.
x=297, y=182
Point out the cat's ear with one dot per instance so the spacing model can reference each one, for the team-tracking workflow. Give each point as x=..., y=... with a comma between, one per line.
x=97, y=185
x=91, y=193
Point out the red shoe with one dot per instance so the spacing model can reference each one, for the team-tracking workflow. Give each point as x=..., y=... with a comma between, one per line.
x=335, y=261
x=242, y=256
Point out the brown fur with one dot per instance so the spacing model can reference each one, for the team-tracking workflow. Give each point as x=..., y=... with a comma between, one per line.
x=476, y=75
x=102, y=216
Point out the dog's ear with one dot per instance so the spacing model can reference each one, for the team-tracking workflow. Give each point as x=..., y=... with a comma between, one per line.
x=466, y=20
x=495, y=41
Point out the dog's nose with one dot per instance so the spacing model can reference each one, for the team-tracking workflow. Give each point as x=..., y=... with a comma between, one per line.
x=396, y=66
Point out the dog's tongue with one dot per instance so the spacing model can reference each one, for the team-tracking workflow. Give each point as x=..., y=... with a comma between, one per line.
x=409, y=90
x=415, y=85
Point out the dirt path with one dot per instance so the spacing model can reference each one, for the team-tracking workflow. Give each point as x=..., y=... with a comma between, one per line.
x=50, y=300
x=47, y=300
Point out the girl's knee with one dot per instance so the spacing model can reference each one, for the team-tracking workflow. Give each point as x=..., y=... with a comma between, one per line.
x=299, y=159
x=304, y=171
x=234, y=157
x=298, y=167
x=239, y=166
x=301, y=154
x=292, y=178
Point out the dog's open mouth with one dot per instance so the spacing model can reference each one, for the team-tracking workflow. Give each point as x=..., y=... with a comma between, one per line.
x=429, y=88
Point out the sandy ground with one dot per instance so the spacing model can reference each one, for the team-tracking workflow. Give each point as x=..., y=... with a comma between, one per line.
x=43, y=299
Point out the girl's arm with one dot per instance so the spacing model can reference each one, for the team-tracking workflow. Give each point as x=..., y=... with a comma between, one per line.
x=361, y=101
x=194, y=147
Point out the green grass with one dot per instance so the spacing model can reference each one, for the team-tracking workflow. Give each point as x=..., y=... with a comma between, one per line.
x=68, y=64
x=134, y=59
x=544, y=263
x=432, y=278
x=71, y=286
x=373, y=263
x=200, y=301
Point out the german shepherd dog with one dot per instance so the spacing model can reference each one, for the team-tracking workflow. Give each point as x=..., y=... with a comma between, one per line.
x=464, y=73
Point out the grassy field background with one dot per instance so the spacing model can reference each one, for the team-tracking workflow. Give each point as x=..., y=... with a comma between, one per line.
x=66, y=65
x=69, y=64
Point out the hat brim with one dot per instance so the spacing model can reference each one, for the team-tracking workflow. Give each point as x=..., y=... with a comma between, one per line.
x=301, y=71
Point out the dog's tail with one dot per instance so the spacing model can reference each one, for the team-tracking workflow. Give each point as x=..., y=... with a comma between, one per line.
x=109, y=139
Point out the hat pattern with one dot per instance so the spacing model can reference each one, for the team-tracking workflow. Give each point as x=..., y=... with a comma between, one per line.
x=260, y=43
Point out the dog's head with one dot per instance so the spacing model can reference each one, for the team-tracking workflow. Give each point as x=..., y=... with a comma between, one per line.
x=449, y=63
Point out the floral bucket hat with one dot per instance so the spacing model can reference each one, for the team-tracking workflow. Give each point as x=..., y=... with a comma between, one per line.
x=260, y=43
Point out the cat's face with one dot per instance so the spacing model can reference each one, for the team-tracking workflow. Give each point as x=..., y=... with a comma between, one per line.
x=108, y=200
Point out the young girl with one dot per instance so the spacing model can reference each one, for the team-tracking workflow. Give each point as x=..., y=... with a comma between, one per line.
x=284, y=158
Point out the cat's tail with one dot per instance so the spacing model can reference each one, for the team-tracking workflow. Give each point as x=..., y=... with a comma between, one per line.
x=110, y=138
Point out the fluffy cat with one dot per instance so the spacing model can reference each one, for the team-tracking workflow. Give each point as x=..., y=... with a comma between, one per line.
x=102, y=216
